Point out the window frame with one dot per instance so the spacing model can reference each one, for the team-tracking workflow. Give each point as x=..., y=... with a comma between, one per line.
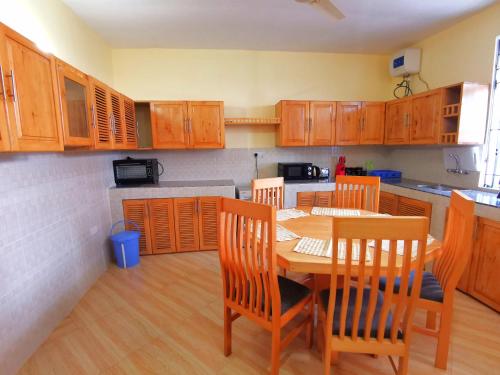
x=495, y=85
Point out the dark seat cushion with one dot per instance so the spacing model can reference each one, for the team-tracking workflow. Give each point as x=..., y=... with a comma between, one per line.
x=325, y=295
x=291, y=293
x=431, y=289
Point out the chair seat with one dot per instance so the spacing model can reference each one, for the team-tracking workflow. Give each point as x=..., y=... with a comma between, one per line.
x=431, y=289
x=325, y=295
x=291, y=293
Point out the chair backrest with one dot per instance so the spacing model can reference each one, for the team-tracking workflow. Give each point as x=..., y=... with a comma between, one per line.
x=359, y=192
x=248, y=258
x=457, y=243
x=354, y=232
x=269, y=191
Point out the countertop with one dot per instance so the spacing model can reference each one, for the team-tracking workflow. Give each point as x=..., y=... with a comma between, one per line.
x=479, y=196
x=179, y=184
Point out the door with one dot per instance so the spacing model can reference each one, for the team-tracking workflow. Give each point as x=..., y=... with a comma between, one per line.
x=130, y=123
x=485, y=278
x=30, y=91
x=388, y=203
x=101, y=114
x=162, y=227
x=397, y=122
x=186, y=224
x=206, y=124
x=117, y=120
x=322, y=129
x=305, y=198
x=169, y=125
x=414, y=207
x=74, y=95
x=425, y=118
x=294, y=126
x=348, y=123
x=372, y=123
x=136, y=210
x=323, y=199
x=208, y=211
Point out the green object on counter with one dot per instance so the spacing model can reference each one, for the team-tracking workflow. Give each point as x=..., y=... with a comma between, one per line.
x=369, y=165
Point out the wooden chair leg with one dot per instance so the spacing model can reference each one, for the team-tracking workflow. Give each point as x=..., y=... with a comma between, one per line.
x=310, y=325
x=227, y=331
x=327, y=358
x=403, y=365
x=430, y=322
x=283, y=272
x=443, y=345
x=275, y=351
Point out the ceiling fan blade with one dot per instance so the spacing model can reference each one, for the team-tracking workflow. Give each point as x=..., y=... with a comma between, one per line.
x=329, y=8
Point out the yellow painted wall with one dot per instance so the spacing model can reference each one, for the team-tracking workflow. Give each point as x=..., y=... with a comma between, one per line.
x=56, y=29
x=463, y=52
x=249, y=82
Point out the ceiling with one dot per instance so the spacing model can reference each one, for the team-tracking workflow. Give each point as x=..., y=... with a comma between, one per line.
x=369, y=26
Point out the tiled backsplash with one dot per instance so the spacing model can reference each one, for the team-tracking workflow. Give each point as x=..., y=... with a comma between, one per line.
x=239, y=164
x=54, y=222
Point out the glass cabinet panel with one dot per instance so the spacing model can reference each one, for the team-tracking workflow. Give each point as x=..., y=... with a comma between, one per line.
x=76, y=105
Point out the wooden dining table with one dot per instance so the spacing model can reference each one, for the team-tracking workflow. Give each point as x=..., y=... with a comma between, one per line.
x=321, y=227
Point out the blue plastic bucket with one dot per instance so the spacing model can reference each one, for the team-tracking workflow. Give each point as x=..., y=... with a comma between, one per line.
x=126, y=245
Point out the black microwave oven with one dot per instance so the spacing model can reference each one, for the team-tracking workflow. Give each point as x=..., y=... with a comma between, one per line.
x=131, y=171
x=298, y=171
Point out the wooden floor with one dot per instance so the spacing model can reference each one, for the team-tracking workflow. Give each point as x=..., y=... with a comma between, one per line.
x=165, y=317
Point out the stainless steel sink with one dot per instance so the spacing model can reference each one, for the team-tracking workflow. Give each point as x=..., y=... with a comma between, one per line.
x=438, y=187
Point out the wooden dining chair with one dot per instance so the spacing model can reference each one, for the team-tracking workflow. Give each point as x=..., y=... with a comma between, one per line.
x=269, y=191
x=357, y=316
x=438, y=286
x=251, y=286
x=358, y=192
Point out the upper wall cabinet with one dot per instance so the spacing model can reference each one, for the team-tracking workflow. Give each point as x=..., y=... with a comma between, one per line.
x=360, y=123
x=29, y=95
x=425, y=117
x=397, y=122
x=305, y=123
x=113, y=118
x=182, y=124
x=74, y=91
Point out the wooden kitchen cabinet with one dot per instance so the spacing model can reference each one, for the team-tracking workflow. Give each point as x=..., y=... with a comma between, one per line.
x=397, y=122
x=182, y=124
x=74, y=94
x=162, y=227
x=388, y=203
x=101, y=113
x=322, y=123
x=348, y=123
x=208, y=214
x=315, y=198
x=136, y=211
x=30, y=96
x=294, y=126
x=372, y=123
x=130, y=123
x=483, y=277
x=426, y=117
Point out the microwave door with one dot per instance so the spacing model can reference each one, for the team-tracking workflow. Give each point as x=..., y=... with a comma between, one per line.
x=295, y=172
x=131, y=171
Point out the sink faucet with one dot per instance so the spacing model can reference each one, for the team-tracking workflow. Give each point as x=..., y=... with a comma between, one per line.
x=458, y=169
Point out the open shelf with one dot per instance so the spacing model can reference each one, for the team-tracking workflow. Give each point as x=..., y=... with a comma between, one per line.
x=451, y=110
x=251, y=121
x=449, y=138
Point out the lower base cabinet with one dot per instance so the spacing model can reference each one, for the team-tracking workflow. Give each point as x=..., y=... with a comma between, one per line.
x=169, y=225
x=398, y=205
x=481, y=277
x=315, y=198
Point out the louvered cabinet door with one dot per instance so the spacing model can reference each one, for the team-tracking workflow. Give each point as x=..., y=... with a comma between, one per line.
x=136, y=210
x=323, y=199
x=208, y=211
x=117, y=121
x=101, y=114
x=130, y=123
x=414, y=207
x=388, y=203
x=162, y=227
x=186, y=224
x=305, y=198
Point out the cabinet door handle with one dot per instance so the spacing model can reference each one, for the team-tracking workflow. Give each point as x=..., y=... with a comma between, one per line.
x=2, y=86
x=111, y=125
x=196, y=206
x=190, y=126
x=13, y=95
x=137, y=129
x=186, y=126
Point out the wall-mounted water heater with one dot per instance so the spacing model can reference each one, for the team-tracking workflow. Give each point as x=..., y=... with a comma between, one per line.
x=405, y=62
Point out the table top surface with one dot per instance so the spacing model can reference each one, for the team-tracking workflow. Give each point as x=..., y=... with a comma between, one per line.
x=321, y=227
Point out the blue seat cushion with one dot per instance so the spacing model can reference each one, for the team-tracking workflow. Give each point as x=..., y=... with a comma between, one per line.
x=291, y=293
x=325, y=295
x=431, y=289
